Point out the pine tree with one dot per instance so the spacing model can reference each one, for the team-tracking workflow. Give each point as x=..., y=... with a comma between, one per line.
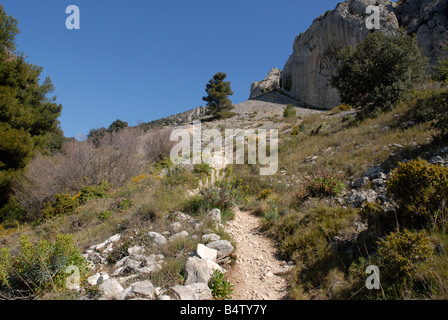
x=218, y=91
x=28, y=117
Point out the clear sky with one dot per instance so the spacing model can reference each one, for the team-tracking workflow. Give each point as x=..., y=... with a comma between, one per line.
x=142, y=60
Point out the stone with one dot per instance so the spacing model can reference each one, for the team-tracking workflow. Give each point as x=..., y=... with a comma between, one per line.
x=195, y=291
x=175, y=227
x=437, y=160
x=199, y=270
x=110, y=288
x=210, y=237
x=206, y=252
x=103, y=278
x=93, y=280
x=131, y=265
x=378, y=183
x=372, y=172
x=156, y=238
x=180, y=235
x=360, y=182
x=270, y=83
x=358, y=198
x=136, y=250
x=224, y=247
x=114, y=238
x=138, y=290
x=214, y=215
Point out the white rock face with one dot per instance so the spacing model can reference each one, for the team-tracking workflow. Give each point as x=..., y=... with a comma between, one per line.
x=270, y=83
x=307, y=71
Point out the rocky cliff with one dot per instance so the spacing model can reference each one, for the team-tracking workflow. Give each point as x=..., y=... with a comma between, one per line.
x=314, y=58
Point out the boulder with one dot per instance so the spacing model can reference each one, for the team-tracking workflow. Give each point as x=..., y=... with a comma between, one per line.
x=210, y=237
x=206, y=252
x=195, y=291
x=156, y=238
x=270, y=83
x=180, y=235
x=360, y=182
x=224, y=247
x=199, y=270
x=358, y=198
x=373, y=172
x=214, y=215
x=110, y=288
x=138, y=290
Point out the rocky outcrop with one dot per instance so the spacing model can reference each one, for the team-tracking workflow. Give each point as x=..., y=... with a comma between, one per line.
x=314, y=58
x=128, y=278
x=315, y=52
x=270, y=83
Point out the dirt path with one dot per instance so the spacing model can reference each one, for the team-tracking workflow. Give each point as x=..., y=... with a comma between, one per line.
x=254, y=275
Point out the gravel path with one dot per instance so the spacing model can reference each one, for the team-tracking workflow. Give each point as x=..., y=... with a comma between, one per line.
x=254, y=275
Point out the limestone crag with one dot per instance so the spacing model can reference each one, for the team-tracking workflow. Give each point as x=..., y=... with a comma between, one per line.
x=428, y=20
x=270, y=83
x=314, y=58
x=315, y=52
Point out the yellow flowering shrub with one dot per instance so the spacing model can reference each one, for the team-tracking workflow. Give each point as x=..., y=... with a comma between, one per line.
x=421, y=191
x=401, y=252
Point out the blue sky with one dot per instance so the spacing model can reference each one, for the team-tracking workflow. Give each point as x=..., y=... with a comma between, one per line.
x=142, y=60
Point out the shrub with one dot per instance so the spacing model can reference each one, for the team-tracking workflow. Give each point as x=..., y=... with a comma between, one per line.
x=105, y=215
x=379, y=73
x=421, y=191
x=203, y=168
x=265, y=193
x=224, y=194
x=94, y=192
x=442, y=71
x=325, y=187
x=401, y=252
x=221, y=288
x=194, y=205
x=63, y=204
x=39, y=267
x=290, y=111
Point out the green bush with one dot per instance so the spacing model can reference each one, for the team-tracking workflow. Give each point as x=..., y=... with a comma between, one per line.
x=401, y=252
x=94, y=192
x=221, y=288
x=63, y=204
x=224, y=194
x=290, y=111
x=325, y=187
x=379, y=73
x=442, y=71
x=203, y=168
x=265, y=193
x=194, y=205
x=105, y=215
x=39, y=267
x=421, y=191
